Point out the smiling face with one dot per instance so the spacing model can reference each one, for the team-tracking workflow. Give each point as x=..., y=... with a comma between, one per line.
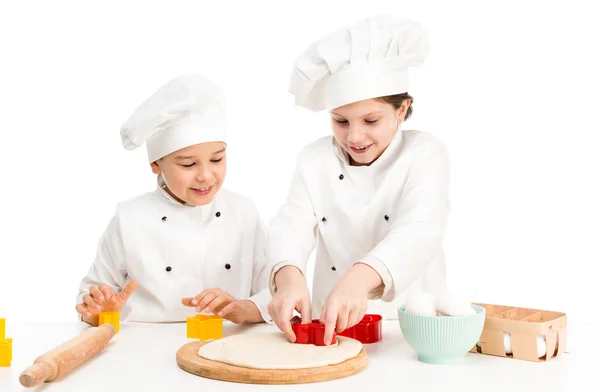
x=366, y=128
x=194, y=174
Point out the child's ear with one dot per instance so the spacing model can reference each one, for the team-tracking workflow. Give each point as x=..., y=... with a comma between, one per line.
x=155, y=167
x=402, y=110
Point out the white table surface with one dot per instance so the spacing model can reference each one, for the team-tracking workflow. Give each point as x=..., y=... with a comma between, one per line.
x=141, y=357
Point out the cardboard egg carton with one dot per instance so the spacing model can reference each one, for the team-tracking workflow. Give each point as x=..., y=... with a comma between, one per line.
x=524, y=329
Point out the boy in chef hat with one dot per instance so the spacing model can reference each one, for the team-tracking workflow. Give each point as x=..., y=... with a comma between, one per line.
x=372, y=198
x=190, y=245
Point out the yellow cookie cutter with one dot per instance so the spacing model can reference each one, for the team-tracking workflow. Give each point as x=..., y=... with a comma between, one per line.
x=110, y=318
x=204, y=327
x=5, y=345
x=5, y=352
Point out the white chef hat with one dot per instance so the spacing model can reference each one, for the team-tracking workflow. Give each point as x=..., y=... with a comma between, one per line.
x=366, y=60
x=187, y=110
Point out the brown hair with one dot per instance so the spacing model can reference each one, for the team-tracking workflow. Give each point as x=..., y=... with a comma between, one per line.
x=396, y=102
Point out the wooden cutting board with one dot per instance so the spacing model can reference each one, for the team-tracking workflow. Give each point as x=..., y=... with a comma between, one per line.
x=189, y=360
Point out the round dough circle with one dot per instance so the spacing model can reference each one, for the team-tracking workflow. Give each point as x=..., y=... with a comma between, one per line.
x=272, y=350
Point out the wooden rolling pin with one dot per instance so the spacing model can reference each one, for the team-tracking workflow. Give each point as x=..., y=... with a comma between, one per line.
x=66, y=357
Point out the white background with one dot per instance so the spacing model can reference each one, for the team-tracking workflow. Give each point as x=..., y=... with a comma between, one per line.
x=510, y=86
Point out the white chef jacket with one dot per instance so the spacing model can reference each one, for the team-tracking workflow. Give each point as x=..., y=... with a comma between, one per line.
x=175, y=251
x=390, y=215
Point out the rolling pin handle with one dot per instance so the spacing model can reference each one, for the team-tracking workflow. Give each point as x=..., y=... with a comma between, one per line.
x=35, y=374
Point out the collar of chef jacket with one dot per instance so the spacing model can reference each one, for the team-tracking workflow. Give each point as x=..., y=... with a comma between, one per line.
x=370, y=176
x=205, y=211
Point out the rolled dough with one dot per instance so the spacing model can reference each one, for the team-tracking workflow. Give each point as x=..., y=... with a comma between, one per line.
x=272, y=350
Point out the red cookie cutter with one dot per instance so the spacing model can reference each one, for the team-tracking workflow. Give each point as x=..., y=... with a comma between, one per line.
x=368, y=330
x=313, y=333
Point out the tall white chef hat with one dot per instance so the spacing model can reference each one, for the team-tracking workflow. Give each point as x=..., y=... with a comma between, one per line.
x=366, y=60
x=187, y=110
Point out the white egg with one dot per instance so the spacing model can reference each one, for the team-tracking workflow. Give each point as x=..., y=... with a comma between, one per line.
x=540, y=340
x=507, y=344
x=422, y=304
x=454, y=304
x=541, y=346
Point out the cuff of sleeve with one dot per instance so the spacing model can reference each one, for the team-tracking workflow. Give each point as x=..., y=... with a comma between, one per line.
x=385, y=291
x=274, y=270
x=261, y=300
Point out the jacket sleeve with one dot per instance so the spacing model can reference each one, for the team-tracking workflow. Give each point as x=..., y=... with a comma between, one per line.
x=292, y=231
x=418, y=228
x=260, y=293
x=108, y=267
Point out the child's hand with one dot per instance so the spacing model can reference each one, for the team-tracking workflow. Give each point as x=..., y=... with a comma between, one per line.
x=104, y=299
x=241, y=311
x=222, y=304
x=211, y=300
x=346, y=303
x=292, y=294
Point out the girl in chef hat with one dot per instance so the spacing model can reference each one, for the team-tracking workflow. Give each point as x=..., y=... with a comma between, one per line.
x=190, y=245
x=371, y=199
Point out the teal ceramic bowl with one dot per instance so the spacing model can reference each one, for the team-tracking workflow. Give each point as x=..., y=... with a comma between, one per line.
x=441, y=339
